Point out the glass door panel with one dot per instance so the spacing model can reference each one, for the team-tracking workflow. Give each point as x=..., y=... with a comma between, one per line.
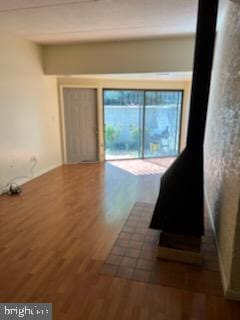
x=162, y=123
x=123, y=114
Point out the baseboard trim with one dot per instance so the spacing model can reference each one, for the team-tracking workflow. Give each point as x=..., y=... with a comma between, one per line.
x=41, y=172
x=223, y=276
x=38, y=174
x=228, y=293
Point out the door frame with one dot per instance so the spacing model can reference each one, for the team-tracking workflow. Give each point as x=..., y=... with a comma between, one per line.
x=62, y=118
x=144, y=91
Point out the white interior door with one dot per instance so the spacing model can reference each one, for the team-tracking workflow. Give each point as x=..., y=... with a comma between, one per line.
x=80, y=114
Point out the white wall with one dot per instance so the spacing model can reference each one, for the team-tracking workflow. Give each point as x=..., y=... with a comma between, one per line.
x=29, y=116
x=29, y=111
x=155, y=55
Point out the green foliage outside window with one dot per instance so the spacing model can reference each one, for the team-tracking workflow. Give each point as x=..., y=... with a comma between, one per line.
x=111, y=134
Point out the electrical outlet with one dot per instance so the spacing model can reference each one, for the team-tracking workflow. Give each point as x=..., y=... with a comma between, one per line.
x=33, y=159
x=12, y=164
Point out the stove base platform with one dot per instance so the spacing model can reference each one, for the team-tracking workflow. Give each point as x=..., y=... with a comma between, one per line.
x=180, y=248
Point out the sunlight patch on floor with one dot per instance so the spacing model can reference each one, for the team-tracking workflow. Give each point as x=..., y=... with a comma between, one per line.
x=143, y=166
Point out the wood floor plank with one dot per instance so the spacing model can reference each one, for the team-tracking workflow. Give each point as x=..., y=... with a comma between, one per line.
x=57, y=234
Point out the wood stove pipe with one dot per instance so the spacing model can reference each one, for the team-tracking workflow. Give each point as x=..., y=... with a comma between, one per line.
x=179, y=208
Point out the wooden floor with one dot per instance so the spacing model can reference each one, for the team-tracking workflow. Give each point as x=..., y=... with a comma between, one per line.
x=55, y=237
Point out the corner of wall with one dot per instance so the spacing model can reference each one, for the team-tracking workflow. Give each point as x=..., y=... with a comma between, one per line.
x=29, y=104
x=228, y=292
x=43, y=50
x=225, y=283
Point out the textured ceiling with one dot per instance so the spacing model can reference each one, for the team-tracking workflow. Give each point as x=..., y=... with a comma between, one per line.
x=53, y=21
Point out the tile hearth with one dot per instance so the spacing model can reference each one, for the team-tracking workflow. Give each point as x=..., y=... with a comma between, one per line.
x=133, y=256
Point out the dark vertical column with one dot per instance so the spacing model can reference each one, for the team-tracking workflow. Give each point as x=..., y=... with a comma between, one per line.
x=203, y=58
x=179, y=208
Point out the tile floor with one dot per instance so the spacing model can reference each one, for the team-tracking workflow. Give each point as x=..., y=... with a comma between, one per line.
x=133, y=256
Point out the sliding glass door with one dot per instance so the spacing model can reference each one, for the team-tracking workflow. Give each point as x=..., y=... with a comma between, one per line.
x=123, y=124
x=141, y=123
x=162, y=123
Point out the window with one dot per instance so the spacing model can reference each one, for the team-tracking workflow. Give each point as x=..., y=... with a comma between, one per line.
x=142, y=123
